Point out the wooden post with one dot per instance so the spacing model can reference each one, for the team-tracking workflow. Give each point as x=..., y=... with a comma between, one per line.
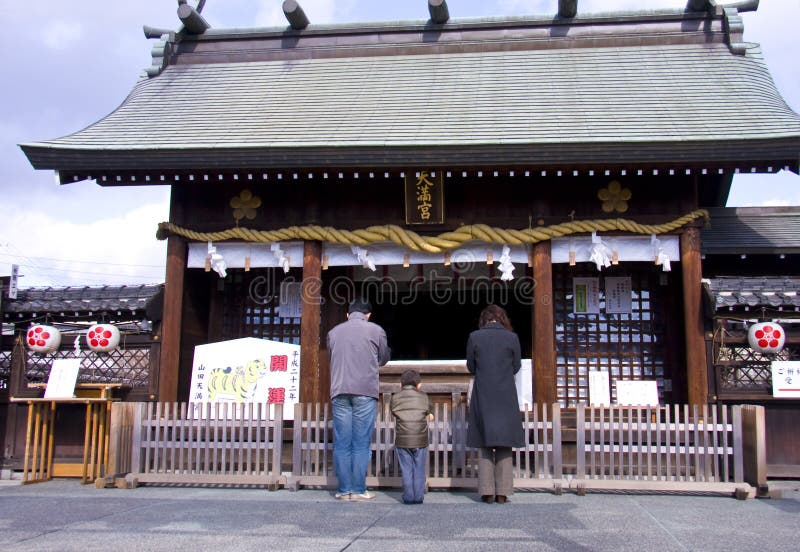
x=567, y=8
x=439, y=12
x=754, y=447
x=295, y=15
x=696, y=370
x=191, y=19
x=169, y=364
x=310, y=324
x=17, y=387
x=544, y=348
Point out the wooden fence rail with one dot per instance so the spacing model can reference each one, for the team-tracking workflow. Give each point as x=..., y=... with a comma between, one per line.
x=659, y=449
x=215, y=444
x=450, y=463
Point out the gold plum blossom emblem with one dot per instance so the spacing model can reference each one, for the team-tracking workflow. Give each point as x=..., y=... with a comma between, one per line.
x=614, y=198
x=245, y=205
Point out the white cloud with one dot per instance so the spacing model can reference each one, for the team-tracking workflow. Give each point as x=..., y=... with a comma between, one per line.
x=60, y=35
x=776, y=203
x=54, y=252
x=765, y=190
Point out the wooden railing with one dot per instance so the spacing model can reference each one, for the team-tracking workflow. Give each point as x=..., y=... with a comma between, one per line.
x=217, y=444
x=672, y=449
x=450, y=463
x=659, y=448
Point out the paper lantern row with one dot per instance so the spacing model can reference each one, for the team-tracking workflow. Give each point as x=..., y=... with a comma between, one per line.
x=43, y=339
x=766, y=337
x=100, y=338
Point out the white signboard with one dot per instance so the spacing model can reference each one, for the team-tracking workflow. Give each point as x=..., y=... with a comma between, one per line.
x=637, y=393
x=63, y=375
x=586, y=295
x=599, y=391
x=13, y=283
x=524, y=382
x=786, y=378
x=618, y=295
x=247, y=370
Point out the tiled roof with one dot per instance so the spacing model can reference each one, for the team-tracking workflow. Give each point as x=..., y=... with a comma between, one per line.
x=647, y=90
x=744, y=230
x=81, y=299
x=769, y=292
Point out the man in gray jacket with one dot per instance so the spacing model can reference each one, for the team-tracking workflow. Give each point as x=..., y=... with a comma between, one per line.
x=357, y=348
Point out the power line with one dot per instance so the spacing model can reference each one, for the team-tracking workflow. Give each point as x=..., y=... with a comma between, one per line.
x=73, y=271
x=7, y=245
x=76, y=261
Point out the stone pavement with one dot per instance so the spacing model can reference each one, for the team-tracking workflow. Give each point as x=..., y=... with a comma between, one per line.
x=65, y=515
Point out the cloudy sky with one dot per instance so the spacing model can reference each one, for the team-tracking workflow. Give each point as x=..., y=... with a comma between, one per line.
x=68, y=64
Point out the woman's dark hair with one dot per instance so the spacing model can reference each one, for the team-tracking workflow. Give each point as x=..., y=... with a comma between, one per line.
x=493, y=313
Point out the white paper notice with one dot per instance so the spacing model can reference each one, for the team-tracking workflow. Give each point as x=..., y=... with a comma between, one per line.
x=586, y=295
x=637, y=393
x=599, y=391
x=786, y=378
x=618, y=295
x=524, y=383
x=63, y=375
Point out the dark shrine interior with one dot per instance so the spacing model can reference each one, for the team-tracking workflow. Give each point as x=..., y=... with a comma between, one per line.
x=429, y=328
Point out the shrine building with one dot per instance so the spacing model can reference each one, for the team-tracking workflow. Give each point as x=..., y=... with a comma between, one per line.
x=564, y=166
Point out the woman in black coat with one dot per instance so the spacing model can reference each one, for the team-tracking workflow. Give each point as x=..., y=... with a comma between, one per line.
x=495, y=426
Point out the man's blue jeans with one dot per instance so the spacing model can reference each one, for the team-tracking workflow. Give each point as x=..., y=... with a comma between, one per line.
x=412, y=467
x=353, y=425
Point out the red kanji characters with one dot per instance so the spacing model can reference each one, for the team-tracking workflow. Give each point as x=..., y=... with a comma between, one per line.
x=277, y=395
x=278, y=363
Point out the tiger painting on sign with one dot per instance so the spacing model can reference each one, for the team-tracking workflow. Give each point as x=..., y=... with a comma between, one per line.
x=236, y=384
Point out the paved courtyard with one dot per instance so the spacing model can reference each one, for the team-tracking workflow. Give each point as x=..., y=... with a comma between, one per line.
x=64, y=515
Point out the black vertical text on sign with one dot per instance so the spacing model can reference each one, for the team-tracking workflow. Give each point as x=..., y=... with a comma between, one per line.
x=424, y=192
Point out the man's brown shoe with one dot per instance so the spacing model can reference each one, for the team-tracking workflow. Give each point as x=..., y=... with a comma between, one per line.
x=500, y=499
x=488, y=499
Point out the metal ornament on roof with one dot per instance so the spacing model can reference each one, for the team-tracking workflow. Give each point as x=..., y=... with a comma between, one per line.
x=245, y=205
x=102, y=338
x=614, y=197
x=43, y=339
x=766, y=337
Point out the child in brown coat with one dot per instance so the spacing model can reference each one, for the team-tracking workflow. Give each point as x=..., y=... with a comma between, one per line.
x=411, y=408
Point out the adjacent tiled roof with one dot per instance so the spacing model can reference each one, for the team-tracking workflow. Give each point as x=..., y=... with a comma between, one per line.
x=648, y=90
x=769, y=292
x=744, y=230
x=81, y=299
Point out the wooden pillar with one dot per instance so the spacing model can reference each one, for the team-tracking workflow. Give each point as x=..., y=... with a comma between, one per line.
x=696, y=370
x=544, y=347
x=169, y=365
x=310, y=380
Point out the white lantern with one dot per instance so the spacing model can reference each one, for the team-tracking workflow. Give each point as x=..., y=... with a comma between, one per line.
x=102, y=338
x=43, y=339
x=766, y=337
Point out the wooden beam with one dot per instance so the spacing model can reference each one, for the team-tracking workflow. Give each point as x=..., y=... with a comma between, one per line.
x=544, y=347
x=310, y=321
x=295, y=15
x=567, y=8
x=169, y=365
x=439, y=12
x=741, y=5
x=698, y=5
x=692, y=274
x=154, y=32
x=192, y=20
